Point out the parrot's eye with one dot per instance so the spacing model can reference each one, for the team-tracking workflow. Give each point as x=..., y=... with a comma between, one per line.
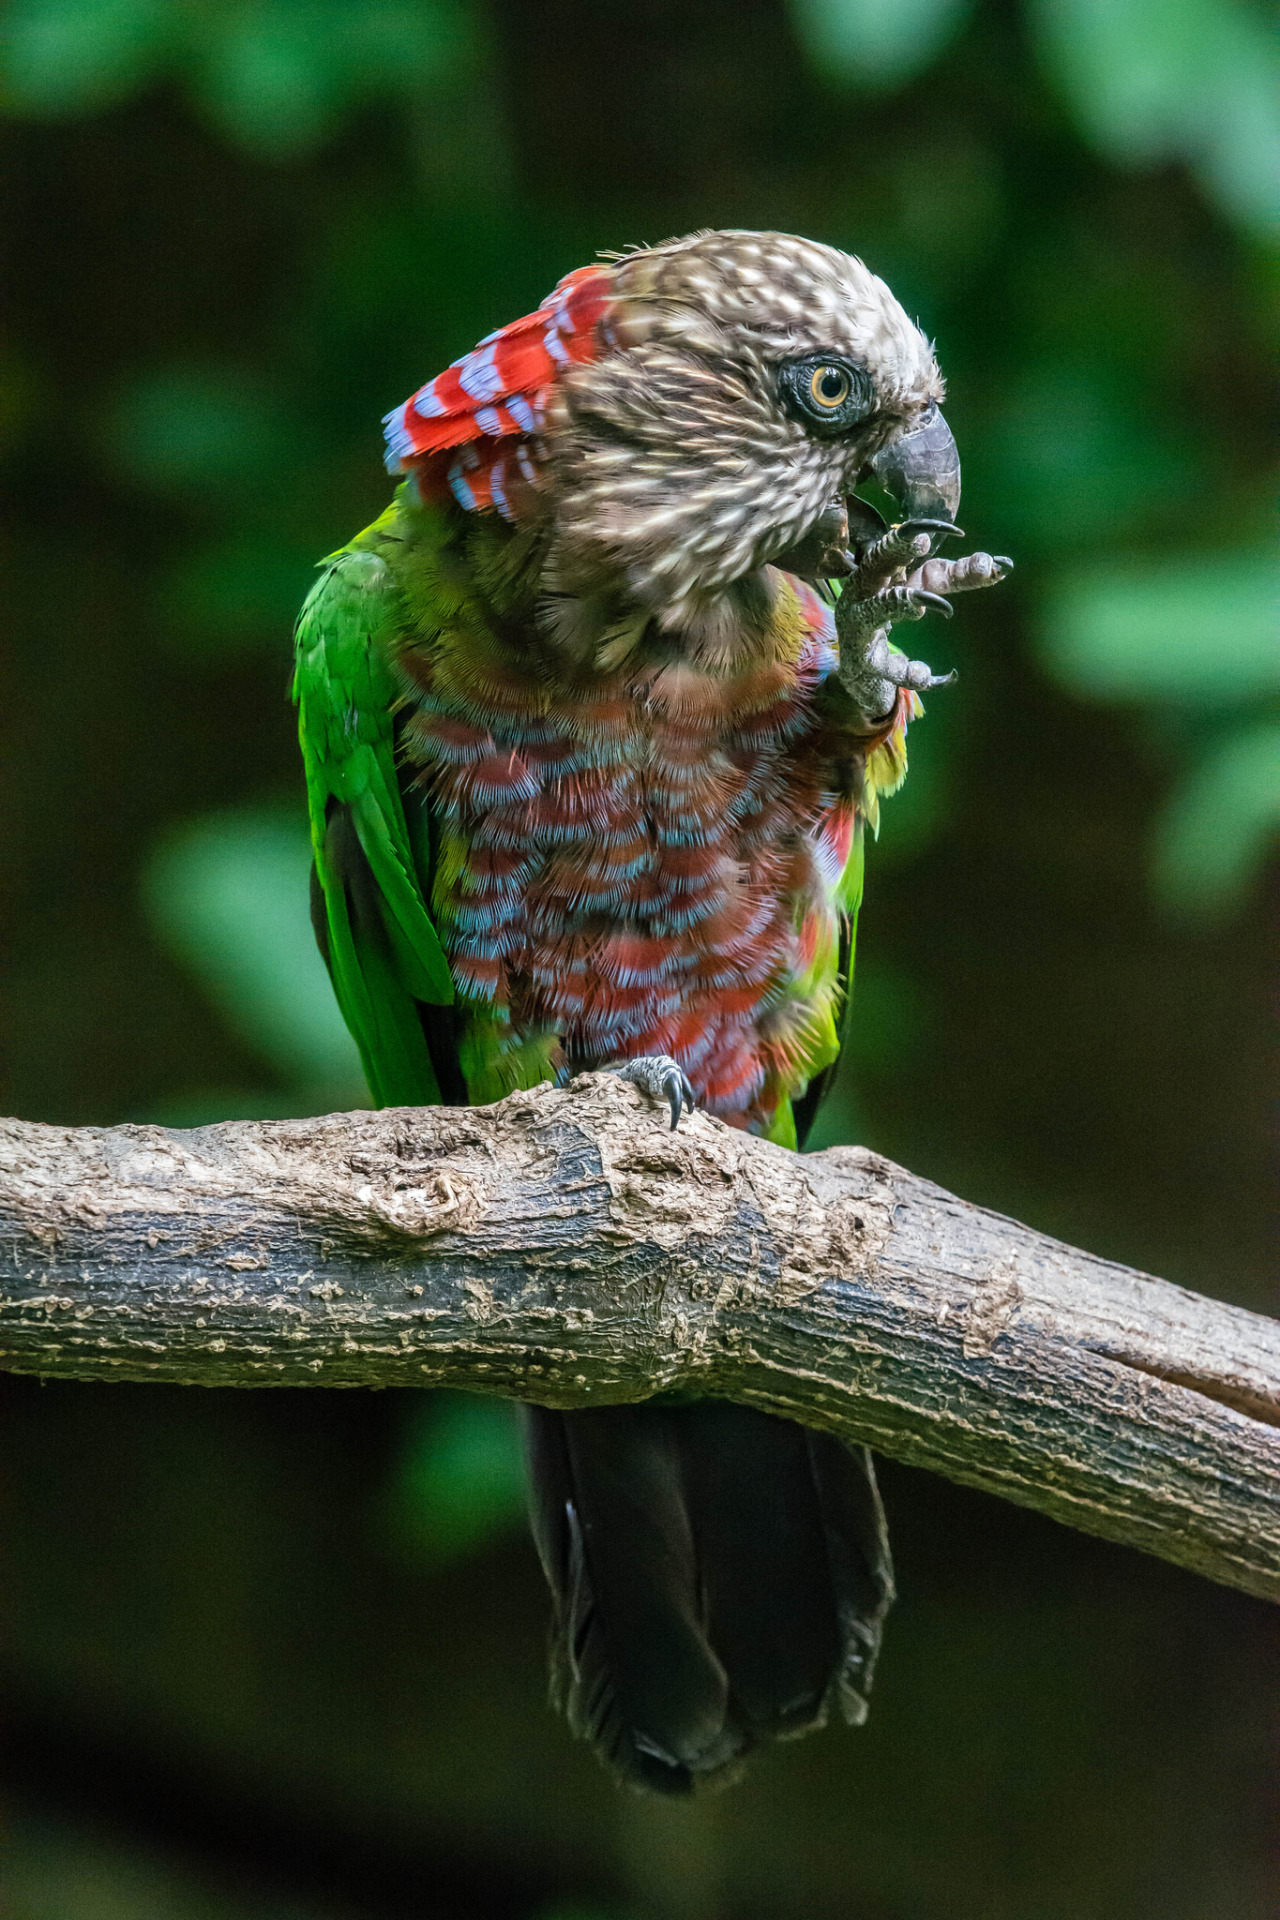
x=829, y=387
x=827, y=396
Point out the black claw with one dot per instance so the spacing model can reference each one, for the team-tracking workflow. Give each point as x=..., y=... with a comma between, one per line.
x=935, y=601
x=944, y=529
x=671, y=1086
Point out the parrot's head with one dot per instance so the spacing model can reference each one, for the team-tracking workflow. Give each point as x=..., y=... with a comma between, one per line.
x=746, y=381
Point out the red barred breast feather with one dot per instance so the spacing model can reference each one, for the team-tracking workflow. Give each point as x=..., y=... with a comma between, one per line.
x=467, y=432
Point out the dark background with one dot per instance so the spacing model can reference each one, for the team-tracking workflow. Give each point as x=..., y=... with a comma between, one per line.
x=279, y=1655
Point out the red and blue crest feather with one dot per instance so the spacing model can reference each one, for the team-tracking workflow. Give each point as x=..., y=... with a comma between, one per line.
x=467, y=431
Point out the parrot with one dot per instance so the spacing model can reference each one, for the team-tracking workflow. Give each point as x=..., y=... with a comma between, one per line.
x=594, y=719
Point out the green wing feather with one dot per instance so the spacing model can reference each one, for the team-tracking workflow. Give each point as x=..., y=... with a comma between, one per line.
x=885, y=770
x=384, y=955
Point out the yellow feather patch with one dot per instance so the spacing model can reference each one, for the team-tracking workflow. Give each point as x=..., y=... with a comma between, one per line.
x=887, y=764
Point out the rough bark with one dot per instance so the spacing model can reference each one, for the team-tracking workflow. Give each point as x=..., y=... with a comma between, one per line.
x=565, y=1247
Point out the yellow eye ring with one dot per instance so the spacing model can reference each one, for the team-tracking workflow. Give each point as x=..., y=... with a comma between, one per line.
x=829, y=388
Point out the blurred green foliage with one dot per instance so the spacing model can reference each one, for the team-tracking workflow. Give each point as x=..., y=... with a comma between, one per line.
x=879, y=43
x=1198, y=632
x=1221, y=823
x=575, y=1910
x=1148, y=80
x=276, y=75
x=229, y=895
x=460, y=1479
x=1193, y=80
x=212, y=438
x=1198, y=639
x=55, y=1872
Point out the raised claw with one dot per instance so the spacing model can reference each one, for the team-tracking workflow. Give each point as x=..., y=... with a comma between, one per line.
x=910, y=602
x=908, y=545
x=920, y=597
x=939, y=529
x=662, y=1078
x=891, y=553
x=893, y=666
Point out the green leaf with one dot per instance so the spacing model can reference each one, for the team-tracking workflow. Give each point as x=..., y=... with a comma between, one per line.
x=1152, y=80
x=1192, y=629
x=270, y=80
x=229, y=895
x=70, y=56
x=1220, y=825
x=882, y=43
x=461, y=1479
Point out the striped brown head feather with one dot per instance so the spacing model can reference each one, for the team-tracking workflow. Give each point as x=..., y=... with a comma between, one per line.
x=744, y=380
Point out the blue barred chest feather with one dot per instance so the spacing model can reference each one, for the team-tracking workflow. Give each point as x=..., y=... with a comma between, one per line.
x=644, y=862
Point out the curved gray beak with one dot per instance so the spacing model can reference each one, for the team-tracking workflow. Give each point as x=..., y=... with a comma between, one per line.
x=921, y=470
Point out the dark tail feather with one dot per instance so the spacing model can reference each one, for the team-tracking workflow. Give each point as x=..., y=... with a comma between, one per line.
x=795, y=1564
x=719, y=1577
x=631, y=1666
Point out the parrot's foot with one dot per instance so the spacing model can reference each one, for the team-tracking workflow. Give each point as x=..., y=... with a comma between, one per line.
x=870, y=669
x=897, y=578
x=895, y=550
x=893, y=667
x=874, y=600
x=662, y=1078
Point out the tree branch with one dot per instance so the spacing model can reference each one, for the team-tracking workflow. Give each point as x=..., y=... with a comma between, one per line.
x=565, y=1247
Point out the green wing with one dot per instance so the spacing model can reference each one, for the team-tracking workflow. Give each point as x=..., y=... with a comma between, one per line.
x=370, y=897
x=884, y=773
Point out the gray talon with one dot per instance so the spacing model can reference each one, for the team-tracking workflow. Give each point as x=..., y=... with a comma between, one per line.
x=677, y=1090
x=933, y=601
